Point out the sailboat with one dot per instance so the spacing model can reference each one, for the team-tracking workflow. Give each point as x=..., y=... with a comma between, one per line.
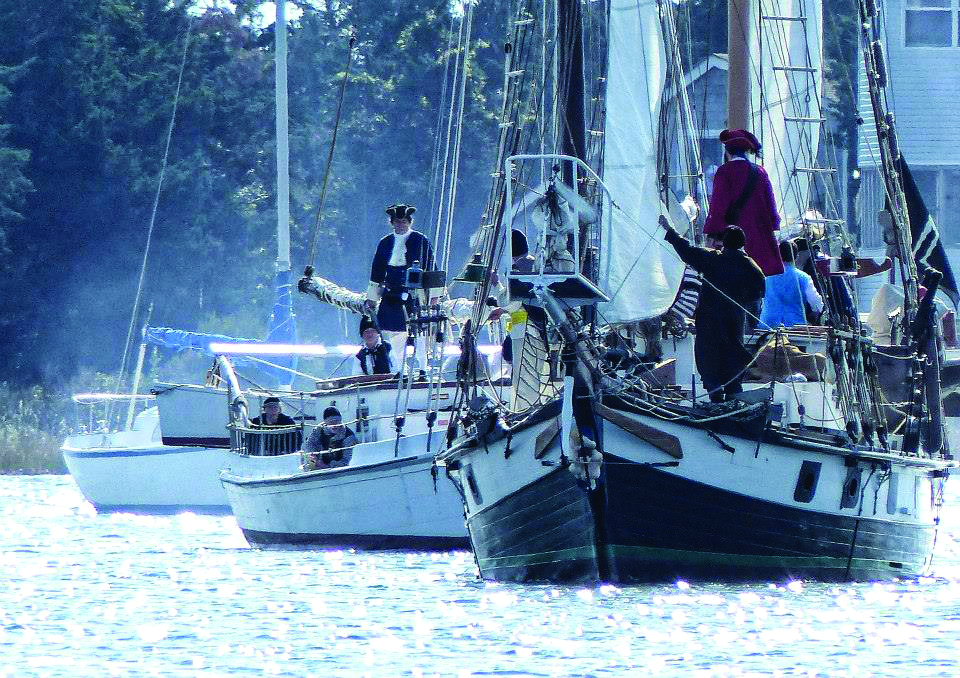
x=167, y=457
x=616, y=470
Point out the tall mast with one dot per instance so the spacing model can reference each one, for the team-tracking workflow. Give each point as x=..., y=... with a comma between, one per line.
x=283, y=148
x=570, y=38
x=739, y=38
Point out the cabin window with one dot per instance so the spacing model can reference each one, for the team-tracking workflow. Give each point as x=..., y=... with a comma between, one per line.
x=930, y=23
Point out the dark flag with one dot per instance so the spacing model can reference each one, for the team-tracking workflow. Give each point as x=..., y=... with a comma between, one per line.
x=928, y=249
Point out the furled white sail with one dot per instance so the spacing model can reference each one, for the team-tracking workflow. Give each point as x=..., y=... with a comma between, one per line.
x=787, y=104
x=638, y=274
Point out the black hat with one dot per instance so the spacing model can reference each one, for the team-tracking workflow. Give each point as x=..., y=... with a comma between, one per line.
x=733, y=238
x=365, y=324
x=401, y=211
x=518, y=243
x=331, y=412
x=272, y=399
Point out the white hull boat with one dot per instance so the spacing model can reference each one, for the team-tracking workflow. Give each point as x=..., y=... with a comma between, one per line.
x=389, y=497
x=134, y=471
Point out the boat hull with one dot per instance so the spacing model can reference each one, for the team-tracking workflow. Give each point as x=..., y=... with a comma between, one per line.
x=118, y=474
x=666, y=528
x=710, y=515
x=378, y=502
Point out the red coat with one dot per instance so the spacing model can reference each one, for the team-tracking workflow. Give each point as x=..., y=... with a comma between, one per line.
x=758, y=218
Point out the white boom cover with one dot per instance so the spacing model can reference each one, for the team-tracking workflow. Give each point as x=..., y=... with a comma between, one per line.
x=789, y=94
x=638, y=271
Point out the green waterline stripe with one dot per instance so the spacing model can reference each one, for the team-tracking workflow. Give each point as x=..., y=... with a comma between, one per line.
x=615, y=551
x=559, y=556
x=746, y=560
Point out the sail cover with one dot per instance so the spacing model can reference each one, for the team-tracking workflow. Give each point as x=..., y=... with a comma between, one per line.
x=787, y=104
x=638, y=272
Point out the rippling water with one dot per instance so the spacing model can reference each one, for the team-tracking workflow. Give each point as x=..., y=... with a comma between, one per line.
x=102, y=595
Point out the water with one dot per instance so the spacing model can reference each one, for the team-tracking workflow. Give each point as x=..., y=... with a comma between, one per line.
x=83, y=594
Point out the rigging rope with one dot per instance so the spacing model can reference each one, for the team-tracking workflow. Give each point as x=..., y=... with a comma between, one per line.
x=454, y=179
x=153, y=213
x=446, y=152
x=333, y=143
x=435, y=197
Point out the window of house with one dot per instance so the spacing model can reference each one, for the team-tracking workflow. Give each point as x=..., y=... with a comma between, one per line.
x=930, y=23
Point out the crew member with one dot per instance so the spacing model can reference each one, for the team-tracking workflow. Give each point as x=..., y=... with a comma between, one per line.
x=374, y=356
x=743, y=196
x=786, y=293
x=331, y=444
x=731, y=282
x=272, y=417
x=395, y=254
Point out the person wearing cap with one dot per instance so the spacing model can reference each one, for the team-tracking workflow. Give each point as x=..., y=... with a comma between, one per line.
x=743, y=196
x=331, y=444
x=272, y=417
x=731, y=282
x=387, y=293
x=374, y=355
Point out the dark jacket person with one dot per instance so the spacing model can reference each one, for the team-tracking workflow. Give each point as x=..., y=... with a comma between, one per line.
x=374, y=355
x=732, y=281
x=280, y=443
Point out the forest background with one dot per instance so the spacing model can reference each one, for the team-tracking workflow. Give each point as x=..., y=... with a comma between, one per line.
x=86, y=95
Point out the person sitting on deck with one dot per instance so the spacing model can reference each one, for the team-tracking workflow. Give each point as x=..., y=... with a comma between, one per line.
x=330, y=445
x=374, y=355
x=785, y=294
x=273, y=418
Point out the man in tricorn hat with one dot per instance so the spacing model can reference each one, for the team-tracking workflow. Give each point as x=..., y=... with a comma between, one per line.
x=374, y=355
x=743, y=196
x=395, y=254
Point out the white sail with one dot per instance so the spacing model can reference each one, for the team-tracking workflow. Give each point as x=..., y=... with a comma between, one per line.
x=639, y=275
x=787, y=104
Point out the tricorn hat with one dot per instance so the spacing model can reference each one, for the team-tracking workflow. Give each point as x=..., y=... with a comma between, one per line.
x=400, y=211
x=366, y=324
x=272, y=399
x=739, y=141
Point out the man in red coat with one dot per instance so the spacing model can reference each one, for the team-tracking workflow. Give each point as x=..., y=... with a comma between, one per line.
x=742, y=196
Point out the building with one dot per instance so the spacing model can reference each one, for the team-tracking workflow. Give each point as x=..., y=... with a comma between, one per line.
x=922, y=50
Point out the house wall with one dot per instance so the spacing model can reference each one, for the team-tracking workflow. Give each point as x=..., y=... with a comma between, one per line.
x=924, y=96
x=926, y=89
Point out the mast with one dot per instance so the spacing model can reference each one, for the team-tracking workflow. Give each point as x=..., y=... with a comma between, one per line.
x=739, y=39
x=283, y=148
x=574, y=131
x=283, y=327
x=876, y=72
x=570, y=39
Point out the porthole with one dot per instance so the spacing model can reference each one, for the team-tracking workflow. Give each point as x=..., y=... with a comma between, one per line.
x=807, y=481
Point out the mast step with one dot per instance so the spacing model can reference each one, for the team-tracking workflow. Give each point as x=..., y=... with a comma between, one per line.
x=815, y=170
x=771, y=17
x=795, y=69
x=818, y=121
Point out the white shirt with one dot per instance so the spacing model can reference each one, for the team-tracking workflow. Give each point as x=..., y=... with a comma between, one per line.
x=399, y=255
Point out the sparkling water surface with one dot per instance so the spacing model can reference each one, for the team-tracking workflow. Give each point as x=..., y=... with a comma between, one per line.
x=83, y=594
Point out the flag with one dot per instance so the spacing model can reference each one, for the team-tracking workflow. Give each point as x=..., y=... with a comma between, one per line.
x=928, y=249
